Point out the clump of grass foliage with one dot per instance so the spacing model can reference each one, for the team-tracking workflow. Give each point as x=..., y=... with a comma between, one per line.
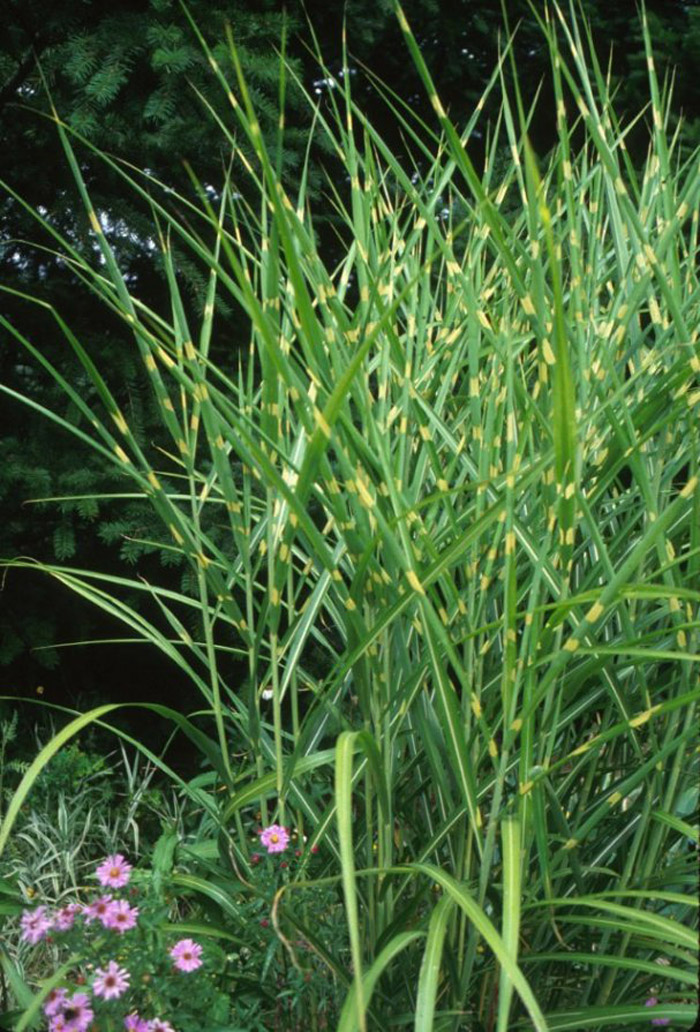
x=445, y=511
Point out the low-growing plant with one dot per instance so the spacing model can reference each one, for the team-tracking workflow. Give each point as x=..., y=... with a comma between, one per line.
x=443, y=510
x=82, y=803
x=112, y=954
x=121, y=961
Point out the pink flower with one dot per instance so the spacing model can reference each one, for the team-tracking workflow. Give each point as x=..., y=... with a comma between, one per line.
x=186, y=954
x=120, y=917
x=35, y=924
x=275, y=839
x=54, y=1002
x=114, y=872
x=57, y=1023
x=65, y=917
x=98, y=910
x=111, y=982
x=77, y=1013
x=133, y=1023
x=157, y=1025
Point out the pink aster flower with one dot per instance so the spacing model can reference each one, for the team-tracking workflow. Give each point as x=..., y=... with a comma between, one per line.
x=65, y=917
x=275, y=839
x=186, y=954
x=35, y=924
x=120, y=917
x=77, y=1013
x=98, y=909
x=54, y=1002
x=133, y=1023
x=111, y=982
x=114, y=872
x=158, y=1025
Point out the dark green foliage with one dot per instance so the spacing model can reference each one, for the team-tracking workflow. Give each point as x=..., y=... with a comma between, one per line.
x=70, y=767
x=76, y=765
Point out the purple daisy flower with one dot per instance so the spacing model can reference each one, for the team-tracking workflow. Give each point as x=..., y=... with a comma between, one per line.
x=275, y=839
x=114, y=872
x=98, y=909
x=77, y=1013
x=111, y=982
x=65, y=917
x=120, y=917
x=54, y=1002
x=133, y=1023
x=35, y=924
x=186, y=955
x=158, y=1025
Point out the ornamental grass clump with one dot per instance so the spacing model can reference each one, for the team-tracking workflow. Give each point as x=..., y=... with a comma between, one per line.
x=442, y=510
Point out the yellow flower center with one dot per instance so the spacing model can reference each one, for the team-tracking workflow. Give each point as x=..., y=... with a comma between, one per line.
x=274, y=838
